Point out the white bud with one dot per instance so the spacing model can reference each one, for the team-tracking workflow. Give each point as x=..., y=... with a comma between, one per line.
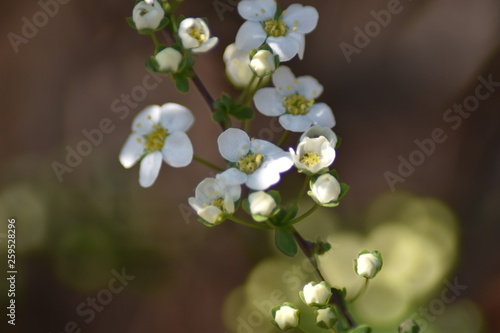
x=316, y=294
x=368, y=264
x=147, y=16
x=286, y=316
x=261, y=203
x=263, y=63
x=326, y=189
x=326, y=318
x=169, y=59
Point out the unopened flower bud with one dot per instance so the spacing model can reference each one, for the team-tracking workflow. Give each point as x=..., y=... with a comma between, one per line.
x=147, y=15
x=261, y=203
x=368, y=264
x=316, y=294
x=263, y=63
x=168, y=59
x=326, y=318
x=285, y=316
x=325, y=190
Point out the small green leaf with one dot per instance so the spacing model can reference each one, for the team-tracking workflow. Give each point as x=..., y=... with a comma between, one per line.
x=182, y=83
x=343, y=190
x=131, y=22
x=285, y=242
x=152, y=65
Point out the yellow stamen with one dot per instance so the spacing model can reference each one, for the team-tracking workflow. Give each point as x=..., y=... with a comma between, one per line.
x=250, y=163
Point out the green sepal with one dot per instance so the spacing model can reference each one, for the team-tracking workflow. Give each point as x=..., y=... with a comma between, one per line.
x=208, y=224
x=276, y=196
x=343, y=190
x=285, y=242
x=339, y=141
x=152, y=65
x=361, y=329
x=130, y=22
x=282, y=217
x=182, y=83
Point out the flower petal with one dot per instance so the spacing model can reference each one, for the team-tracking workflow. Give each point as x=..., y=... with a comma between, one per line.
x=301, y=40
x=285, y=47
x=150, y=167
x=211, y=214
x=280, y=162
x=175, y=117
x=132, y=150
x=299, y=123
x=207, y=45
x=233, y=176
x=284, y=81
x=233, y=144
x=206, y=191
x=309, y=87
x=144, y=121
x=302, y=19
x=250, y=36
x=322, y=115
x=265, y=148
x=177, y=150
x=257, y=10
x=268, y=102
x=263, y=178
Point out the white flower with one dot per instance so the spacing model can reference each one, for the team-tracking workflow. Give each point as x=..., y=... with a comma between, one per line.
x=325, y=190
x=285, y=316
x=147, y=15
x=313, y=155
x=237, y=66
x=292, y=100
x=168, y=59
x=368, y=264
x=261, y=203
x=257, y=163
x=263, y=63
x=158, y=132
x=316, y=294
x=326, y=318
x=285, y=34
x=317, y=131
x=213, y=198
x=195, y=35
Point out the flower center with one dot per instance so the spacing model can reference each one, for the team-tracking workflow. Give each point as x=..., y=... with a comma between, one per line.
x=250, y=163
x=219, y=203
x=310, y=159
x=275, y=28
x=155, y=139
x=297, y=104
x=197, y=34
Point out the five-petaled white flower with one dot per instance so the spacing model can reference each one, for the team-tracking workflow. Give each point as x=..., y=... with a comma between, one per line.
x=313, y=155
x=158, y=132
x=285, y=316
x=325, y=190
x=168, y=59
x=214, y=197
x=285, y=34
x=147, y=15
x=368, y=264
x=292, y=100
x=195, y=35
x=316, y=294
x=257, y=163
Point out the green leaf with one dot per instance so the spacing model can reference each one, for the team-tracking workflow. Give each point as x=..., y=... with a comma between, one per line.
x=285, y=242
x=131, y=22
x=182, y=83
x=343, y=190
x=361, y=329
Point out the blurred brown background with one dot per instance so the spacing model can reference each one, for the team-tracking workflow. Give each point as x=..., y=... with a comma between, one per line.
x=73, y=233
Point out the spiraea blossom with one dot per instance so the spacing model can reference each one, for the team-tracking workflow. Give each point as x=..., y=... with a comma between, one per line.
x=285, y=316
x=158, y=133
x=318, y=131
x=316, y=294
x=293, y=100
x=284, y=34
x=368, y=264
x=313, y=155
x=261, y=203
x=325, y=190
x=195, y=35
x=147, y=15
x=256, y=163
x=214, y=197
